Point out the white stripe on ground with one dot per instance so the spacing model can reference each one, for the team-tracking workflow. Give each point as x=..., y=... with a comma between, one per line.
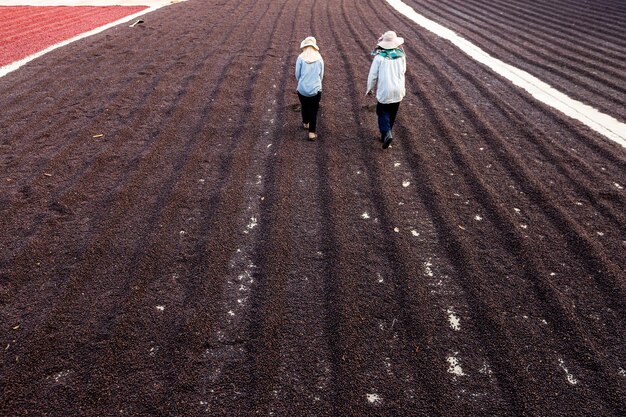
x=600, y=122
x=17, y=64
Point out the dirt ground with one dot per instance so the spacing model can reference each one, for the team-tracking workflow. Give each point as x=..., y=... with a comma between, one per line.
x=172, y=245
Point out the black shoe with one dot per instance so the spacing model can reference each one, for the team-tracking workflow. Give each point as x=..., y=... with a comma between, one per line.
x=387, y=140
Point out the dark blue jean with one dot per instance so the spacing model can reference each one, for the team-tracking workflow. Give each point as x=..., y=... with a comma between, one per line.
x=386, y=116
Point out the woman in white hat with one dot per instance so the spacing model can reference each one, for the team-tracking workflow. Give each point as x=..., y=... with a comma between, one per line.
x=387, y=70
x=309, y=73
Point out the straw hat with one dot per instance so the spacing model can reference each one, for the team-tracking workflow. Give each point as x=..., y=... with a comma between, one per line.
x=309, y=41
x=390, y=40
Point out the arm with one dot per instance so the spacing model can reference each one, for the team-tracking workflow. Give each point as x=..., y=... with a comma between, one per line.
x=322, y=70
x=373, y=75
x=298, y=67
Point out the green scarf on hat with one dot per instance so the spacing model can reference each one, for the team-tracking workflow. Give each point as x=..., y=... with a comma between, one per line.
x=389, y=53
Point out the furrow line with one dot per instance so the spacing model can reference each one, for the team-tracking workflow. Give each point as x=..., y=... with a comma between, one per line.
x=100, y=158
x=505, y=27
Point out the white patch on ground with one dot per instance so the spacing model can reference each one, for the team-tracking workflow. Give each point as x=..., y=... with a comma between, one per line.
x=374, y=399
x=365, y=215
x=160, y=308
x=478, y=218
x=455, y=321
x=252, y=224
x=518, y=211
x=415, y=233
x=153, y=350
x=523, y=226
x=570, y=378
x=405, y=184
x=600, y=233
x=396, y=164
x=395, y=229
x=427, y=269
x=60, y=375
x=485, y=369
x=454, y=367
x=380, y=277
x=618, y=186
x=621, y=372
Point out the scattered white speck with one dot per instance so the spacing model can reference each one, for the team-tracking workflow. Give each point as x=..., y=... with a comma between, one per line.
x=405, y=184
x=454, y=320
x=269, y=145
x=427, y=269
x=201, y=180
x=518, y=211
x=619, y=187
x=600, y=233
x=231, y=313
x=182, y=232
x=60, y=375
x=485, y=369
x=395, y=229
x=544, y=321
x=621, y=372
x=482, y=149
x=552, y=274
x=160, y=308
x=454, y=367
x=396, y=164
x=374, y=399
x=570, y=378
x=523, y=226
x=478, y=218
x=365, y=215
x=252, y=224
x=415, y=233
x=380, y=277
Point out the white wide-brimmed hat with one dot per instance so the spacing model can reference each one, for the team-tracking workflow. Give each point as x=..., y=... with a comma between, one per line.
x=309, y=41
x=390, y=40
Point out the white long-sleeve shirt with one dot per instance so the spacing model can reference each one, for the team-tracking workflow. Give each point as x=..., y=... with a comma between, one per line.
x=389, y=74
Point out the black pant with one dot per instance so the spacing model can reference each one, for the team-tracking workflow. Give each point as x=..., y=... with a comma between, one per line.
x=386, y=116
x=310, y=105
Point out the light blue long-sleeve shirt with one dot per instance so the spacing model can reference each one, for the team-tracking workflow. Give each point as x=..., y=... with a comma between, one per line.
x=309, y=76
